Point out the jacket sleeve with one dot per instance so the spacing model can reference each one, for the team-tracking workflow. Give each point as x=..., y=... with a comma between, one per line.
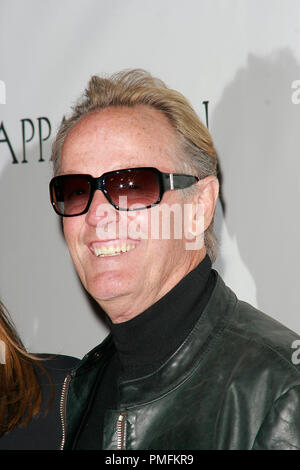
x=281, y=428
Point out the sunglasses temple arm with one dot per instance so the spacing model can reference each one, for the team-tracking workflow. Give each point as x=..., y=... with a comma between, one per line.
x=176, y=181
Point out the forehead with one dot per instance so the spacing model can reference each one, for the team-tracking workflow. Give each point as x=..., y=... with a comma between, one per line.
x=119, y=137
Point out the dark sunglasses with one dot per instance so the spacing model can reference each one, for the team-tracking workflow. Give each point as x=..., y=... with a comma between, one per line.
x=72, y=195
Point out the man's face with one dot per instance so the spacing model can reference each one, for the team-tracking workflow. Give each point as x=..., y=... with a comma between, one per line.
x=128, y=283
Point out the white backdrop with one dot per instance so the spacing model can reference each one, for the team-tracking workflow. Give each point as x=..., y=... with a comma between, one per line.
x=240, y=55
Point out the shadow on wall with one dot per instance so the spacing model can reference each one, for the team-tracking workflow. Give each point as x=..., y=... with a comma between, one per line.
x=256, y=128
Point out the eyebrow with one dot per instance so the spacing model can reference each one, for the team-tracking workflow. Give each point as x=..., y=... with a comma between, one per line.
x=71, y=172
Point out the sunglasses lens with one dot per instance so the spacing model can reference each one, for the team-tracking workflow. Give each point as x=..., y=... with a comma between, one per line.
x=70, y=194
x=138, y=188
x=130, y=190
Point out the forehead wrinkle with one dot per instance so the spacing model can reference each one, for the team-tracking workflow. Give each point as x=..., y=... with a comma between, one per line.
x=142, y=129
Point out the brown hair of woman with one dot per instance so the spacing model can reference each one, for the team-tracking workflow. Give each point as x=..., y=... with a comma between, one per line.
x=20, y=391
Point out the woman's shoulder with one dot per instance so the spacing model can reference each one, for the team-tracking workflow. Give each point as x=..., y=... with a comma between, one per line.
x=55, y=367
x=57, y=362
x=44, y=431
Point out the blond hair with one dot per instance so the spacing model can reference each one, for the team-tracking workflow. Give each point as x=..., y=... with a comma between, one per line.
x=130, y=88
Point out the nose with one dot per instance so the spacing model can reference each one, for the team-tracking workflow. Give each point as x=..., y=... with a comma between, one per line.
x=100, y=210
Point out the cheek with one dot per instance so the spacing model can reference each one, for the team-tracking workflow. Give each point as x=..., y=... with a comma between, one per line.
x=157, y=224
x=71, y=230
x=139, y=225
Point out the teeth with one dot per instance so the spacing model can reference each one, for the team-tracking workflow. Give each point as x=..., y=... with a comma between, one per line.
x=113, y=250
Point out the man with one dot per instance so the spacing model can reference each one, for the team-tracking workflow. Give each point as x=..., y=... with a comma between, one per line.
x=187, y=365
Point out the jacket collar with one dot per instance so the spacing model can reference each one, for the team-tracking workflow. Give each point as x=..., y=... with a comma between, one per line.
x=191, y=353
x=218, y=312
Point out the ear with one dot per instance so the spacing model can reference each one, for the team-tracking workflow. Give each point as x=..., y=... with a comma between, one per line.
x=205, y=200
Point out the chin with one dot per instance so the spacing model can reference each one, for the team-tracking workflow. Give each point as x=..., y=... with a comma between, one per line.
x=108, y=286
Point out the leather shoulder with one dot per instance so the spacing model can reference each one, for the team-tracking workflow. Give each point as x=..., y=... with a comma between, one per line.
x=268, y=335
x=281, y=427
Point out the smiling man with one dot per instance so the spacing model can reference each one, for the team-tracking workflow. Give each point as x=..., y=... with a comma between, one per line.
x=119, y=138
x=187, y=365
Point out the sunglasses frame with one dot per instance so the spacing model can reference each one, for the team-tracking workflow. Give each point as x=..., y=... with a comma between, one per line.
x=166, y=181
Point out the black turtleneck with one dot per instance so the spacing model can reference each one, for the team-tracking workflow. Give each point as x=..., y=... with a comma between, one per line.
x=145, y=342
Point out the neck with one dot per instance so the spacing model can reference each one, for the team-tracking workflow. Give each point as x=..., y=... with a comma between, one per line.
x=146, y=341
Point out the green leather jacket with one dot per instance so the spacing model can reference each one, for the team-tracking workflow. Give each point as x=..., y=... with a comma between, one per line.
x=230, y=385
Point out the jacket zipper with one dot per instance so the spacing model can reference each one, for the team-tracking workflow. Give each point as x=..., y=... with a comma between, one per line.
x=121, y=430
x=63, y=409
